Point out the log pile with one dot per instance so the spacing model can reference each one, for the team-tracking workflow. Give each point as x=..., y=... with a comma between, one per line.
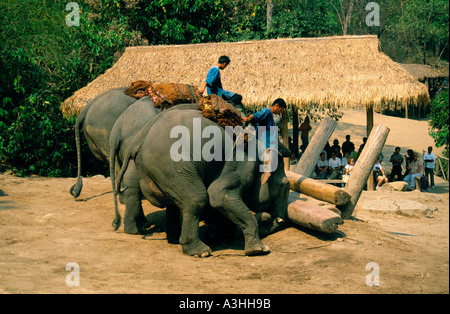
x=326, y=204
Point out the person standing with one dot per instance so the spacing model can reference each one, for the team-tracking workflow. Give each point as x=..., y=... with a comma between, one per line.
x=430, y=162
x=213, y=84
x=397, y=161
x=305, y=127
x=348, y=145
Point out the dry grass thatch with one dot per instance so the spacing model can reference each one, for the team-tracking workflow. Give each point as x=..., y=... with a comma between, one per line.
x=421, y=71
x=332, y=71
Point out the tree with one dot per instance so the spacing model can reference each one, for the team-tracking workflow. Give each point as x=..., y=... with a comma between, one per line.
x=439, y=122
x=420, y=25
x=344, y=11
x=269, y=12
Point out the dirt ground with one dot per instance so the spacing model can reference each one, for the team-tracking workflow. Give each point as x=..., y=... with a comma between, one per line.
x=43, y=229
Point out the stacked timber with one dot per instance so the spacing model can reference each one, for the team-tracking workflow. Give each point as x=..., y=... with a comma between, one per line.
x=336, y=203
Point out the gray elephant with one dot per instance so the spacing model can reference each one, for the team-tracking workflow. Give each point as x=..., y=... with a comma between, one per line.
x=190, y=185
x=128, y=124
x=96, y=121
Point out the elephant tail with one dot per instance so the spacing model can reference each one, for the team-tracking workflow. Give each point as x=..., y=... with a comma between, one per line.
x=113, y=148
x=75, y=190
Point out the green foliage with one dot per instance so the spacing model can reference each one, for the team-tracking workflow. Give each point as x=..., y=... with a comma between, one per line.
x=44, y=61
x=440, y=121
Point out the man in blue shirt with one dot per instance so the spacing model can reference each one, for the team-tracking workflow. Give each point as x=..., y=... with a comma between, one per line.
x=264, y=118
x=267, y=132
x=213, y=84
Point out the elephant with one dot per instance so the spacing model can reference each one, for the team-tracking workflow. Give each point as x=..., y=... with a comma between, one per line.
x=190, y=186
x=96, y=121
x=128, y=124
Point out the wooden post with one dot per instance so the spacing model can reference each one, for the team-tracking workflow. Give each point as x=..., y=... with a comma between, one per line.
x=285, y=135
x=295, y=130
x=307, y=163
x=319, y=190
x=285, y=128
x=363, y=168
x=369, y=127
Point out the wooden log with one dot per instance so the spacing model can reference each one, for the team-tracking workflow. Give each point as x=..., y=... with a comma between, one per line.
x=317, y=189
x=369, y=127
x=313, y=217
x=293, y=196
x=307, y=163
x=363, y=168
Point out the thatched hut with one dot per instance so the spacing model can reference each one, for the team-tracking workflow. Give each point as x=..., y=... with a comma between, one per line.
x=348, y=71
x=431, y=76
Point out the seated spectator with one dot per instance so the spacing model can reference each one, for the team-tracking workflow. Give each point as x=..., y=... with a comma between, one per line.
x=378, y=174
x=335, y=166
x=416, y=170
x=349, y=166
x=322, y=166
x=409, y=158
x=347, y=145
x=348, y=169
x=345, y=159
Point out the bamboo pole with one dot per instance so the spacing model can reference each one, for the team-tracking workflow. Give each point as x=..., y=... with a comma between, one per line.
x=308, y=162
x=363, y=168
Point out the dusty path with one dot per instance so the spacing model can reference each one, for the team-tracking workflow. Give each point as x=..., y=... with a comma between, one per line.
x=42, y=229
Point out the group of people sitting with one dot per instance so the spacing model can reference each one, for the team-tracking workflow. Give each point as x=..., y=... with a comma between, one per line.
x=415, y=167
x=336, y=162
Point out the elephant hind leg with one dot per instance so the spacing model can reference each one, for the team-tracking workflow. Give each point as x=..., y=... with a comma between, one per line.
x=173, y=224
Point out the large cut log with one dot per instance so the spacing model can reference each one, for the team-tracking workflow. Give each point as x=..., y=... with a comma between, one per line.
x=363, y=168
x=293, y=196
x=319, y=190
x=313, y=217
x=308, y=161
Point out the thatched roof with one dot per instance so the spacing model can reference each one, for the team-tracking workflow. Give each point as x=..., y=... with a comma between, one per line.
x=349, y=71
x=421, y=71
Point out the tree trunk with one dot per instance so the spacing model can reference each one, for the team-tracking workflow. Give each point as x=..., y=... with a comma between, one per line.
x=317, y=189
x=363, y=168
x=269, y=13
